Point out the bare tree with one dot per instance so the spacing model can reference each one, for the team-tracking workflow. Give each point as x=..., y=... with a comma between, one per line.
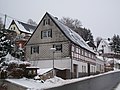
x=1, y=23
x=75, y=25
x=72, y=23
x=31, y=22
x=98, y=40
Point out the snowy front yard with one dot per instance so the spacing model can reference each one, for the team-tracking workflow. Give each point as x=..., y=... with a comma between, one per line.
x=37, y=84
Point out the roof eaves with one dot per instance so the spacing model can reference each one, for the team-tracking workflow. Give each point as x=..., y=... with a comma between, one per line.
x=35, y=29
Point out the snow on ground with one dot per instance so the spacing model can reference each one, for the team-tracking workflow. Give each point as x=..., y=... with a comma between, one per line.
x=118, y=87
x=49, y=83
x=37, y=84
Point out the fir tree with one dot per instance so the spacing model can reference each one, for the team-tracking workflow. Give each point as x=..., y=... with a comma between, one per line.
x=115, y=44
x=5, y=44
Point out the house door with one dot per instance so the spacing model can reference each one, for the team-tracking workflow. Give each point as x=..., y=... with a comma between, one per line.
x=75, y=68
x=88, y=69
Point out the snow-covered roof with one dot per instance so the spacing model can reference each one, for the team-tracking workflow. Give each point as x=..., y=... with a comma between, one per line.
x=11, y=59
x=106, y=42
x=99, y=57
x=8, y=56
x=70, y=34
x=45, y=70
x=42, y=71
x=113, y=60
x=24, y=27
x=33, y=67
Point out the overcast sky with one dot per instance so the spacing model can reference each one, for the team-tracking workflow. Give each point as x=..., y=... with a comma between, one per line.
x=102, y=17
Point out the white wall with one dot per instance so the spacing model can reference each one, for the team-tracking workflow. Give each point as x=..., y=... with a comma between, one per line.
x=63, y=63
x=80, y=64
x=100, y=64
x=16, y=29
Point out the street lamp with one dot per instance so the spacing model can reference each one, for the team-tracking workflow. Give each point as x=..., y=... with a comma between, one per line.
x=53, y=50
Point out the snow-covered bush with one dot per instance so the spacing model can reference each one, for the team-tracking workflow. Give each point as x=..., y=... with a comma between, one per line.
x=11, y=66
x=17, y=73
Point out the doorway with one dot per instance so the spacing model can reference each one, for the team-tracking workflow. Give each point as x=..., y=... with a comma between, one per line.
x=75, y=70
x=88, y=69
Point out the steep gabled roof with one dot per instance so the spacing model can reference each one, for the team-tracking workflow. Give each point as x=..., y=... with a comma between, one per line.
x=69, y=33
x=91, y=44
x=28, y=27
x=24, y=27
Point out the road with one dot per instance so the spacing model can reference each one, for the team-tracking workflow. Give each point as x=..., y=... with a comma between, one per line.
x=117, y=87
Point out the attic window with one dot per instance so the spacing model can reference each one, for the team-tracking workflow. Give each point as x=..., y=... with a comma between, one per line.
x=46, y=22
x=14, y=28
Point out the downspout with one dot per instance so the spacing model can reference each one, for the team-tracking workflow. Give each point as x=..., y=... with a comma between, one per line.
x=70, y=53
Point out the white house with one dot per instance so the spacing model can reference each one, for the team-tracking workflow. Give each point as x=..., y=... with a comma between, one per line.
x=23, y=31
x=104, y=47
x=111, y=59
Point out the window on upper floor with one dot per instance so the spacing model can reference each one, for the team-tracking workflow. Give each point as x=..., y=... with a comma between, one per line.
x=34, y=49
x=82, y=51
x=89, y=54
x=14, y=28
x=77, y=50
x=46, y=33
x=73, y=48
x=58, y=47
x=85, y=53
x=11, y=28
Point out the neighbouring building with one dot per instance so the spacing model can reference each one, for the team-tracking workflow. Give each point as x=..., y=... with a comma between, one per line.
x=111, y=59
x=23, y=32
x=72, y=52
x=105, y=48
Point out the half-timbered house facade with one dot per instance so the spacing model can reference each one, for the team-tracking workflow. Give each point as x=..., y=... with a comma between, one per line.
x=72, y=53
